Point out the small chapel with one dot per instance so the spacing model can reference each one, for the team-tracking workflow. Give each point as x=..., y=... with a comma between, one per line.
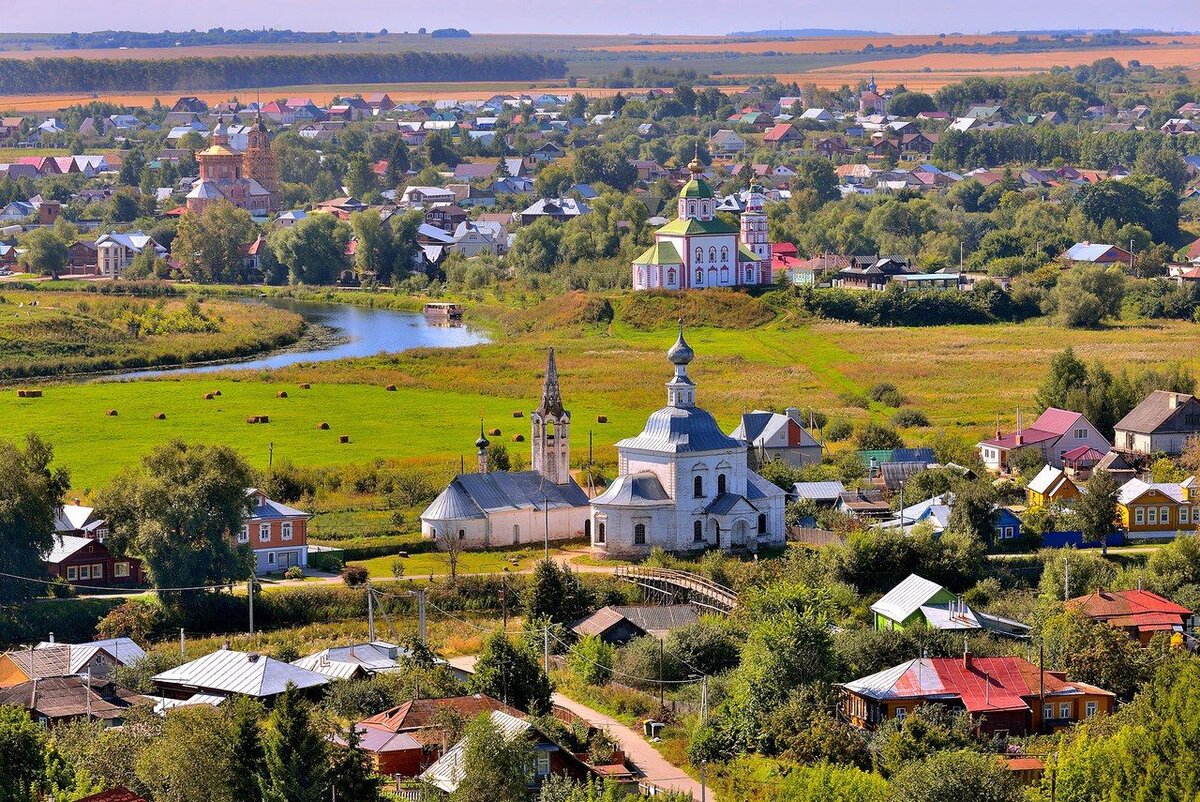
x=508, y=508
x=685, y=485
x=699, y=249
x=248, y=179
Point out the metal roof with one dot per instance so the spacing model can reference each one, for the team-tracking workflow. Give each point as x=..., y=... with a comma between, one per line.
x=228, y=671
x=819, y=491
x=677, y=430
x=1045, y=479
x=122, y=650
x=447, y=772
x=635, y=490
x=906, y=598
x=66, y=545
x=502, y=490
x=1154, y=411
x=344, y=662
x=452, y=504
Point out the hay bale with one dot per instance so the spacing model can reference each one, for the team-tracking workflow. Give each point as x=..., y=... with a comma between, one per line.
x=323, y=426
x=306, y=386
x=253, y=419
x=29, y=393
x=209, y=396
x=601, y=419
x=217, y=393
x=343, y=438
x=391, y=388
x=518, y=438
x=264, y=418
x=518, y=413
x=281, y=394
x=160, y=416
x=493, y=433
x=112, y=413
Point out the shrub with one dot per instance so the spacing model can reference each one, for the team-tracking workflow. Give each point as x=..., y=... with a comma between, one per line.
x=295, y=572
x=909, y=417
x=891, y=398
x=881, y=389
x=876, y=436
x=855, y=400
x=838, y=431
x=355, y=575
x=592, y=660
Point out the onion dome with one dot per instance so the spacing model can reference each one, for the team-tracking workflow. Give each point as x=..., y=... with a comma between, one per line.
x=680, y=353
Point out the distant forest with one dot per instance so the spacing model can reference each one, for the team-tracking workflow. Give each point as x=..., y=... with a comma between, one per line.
x=213, y=36
x=236, y=72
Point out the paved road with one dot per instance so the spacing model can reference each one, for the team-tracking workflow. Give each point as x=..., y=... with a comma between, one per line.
x=653, y=767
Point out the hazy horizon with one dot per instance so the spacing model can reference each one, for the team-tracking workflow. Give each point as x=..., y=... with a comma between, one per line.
x=599, y=16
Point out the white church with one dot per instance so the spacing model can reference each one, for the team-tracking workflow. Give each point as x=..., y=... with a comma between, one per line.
x=685, y=485
x=508, y=508
x=700, y=250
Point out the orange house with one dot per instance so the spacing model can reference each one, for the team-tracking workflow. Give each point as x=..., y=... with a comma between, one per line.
x=1139, y=612
x=1051, y=486
x=277, y=533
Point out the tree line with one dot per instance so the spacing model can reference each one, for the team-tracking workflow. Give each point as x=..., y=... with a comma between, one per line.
x=229, y=72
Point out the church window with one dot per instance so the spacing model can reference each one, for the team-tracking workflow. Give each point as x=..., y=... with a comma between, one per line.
x=699, y=276
x=724, y=253
x=724, y=274
x=691, y=209
x=698, y=486
x=697, y=531
x=600, y=532
x=750, y=274
x=699, y=254
x=516, y=534
x=641, y=275
x=639, y=534
x=587, y=528
x=712, y=254
x=670, y=275
x=462, y=534
x=720, y=483
x=762, y=524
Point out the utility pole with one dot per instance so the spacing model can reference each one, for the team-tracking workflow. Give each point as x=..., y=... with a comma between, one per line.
x=271, y=455
x=504, y=599
x=421, y=614
x=546, y=649
x=661, y=656
x=88, y=695
x=370, y=613
x=182, y=651
x=250, y=589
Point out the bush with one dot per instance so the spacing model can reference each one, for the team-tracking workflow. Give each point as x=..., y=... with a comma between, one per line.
x=909, y=417
x=592, y=660
x=880, y=390
x=354, y=575
x=838, y=431
x=638, y=664
x=855, y=400
x=876, y=436
x=295, y=572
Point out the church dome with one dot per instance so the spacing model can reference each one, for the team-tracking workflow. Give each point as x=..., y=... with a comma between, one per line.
x=680, y=353
x=675, y=430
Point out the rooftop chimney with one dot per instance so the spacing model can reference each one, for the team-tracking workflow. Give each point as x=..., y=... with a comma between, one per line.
x=52, y=637
x=794, y=414
x=1173, y=401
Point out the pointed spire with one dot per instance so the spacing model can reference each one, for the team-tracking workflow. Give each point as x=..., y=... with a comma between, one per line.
x=552, y=403
x=481, y=447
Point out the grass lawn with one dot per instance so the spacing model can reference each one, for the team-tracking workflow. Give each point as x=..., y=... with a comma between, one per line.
x=469, y=562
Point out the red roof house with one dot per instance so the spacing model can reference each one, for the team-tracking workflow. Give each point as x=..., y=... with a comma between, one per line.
x=1055, y=433
x=1141, y=613
x=784, y=132
x=999, y=693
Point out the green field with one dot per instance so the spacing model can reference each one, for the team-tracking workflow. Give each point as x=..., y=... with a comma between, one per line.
x=962, y=377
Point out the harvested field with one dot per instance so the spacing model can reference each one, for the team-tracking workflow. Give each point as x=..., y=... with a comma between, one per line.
x=814, y=44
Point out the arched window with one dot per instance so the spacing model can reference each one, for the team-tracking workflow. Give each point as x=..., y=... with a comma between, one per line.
x=720, y=484
x=699, y=276
x=641, y=275
x=670, y=275
x=587, y=528
x=691, y=209
x=516, y=534
x=724, y=253
x=762, y=524
x=699, y=254
x=462, y=534
x=600, y=532
x=639, y=534
x=698, y=486
x=712, y=254
x=697, y=531
x=750, y=274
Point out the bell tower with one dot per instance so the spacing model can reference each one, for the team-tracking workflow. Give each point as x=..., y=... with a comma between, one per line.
x=258, y=160
x=551, y=436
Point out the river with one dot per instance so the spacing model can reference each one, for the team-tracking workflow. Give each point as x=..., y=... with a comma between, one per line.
x=362, y=331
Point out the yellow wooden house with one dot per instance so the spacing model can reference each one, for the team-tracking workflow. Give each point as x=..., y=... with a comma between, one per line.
x=1160, y=509
x=1051, y=486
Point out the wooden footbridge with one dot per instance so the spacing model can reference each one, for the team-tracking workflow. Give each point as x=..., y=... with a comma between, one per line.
x=669, y=586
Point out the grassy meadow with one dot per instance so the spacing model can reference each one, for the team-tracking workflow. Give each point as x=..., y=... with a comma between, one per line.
x=962, y=377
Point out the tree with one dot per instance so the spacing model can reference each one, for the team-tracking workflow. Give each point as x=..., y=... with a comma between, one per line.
x=557, y=594
x=927, y=730
x=1067, y=372
x=495, y=767
x=249, y=760
x=1088, y=294
x=313, y=250
x=453, y=544
x=511, y=673
x=592, y=660
x=295, y=756
x=973, y=511
x=29, y=499
x=22, y=754
x=1094, y=652
x=605, y=164
x=375, y=253
x=191, y=761
x=398, y=162
x=177, y=510
x=360, y=179
x=352, y=775
x=1097, y=509
x=209, y=246
x=876, y=436
x=45, y=252
x=815, y=184
x=1068, y=573
x=553, y=181
x=910, y=104
x=955, y=776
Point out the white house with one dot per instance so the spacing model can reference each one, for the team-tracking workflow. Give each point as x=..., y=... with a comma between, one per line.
x=115, y=251
x=683, y=484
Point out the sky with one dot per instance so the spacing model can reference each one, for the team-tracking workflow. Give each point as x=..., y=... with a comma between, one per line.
x=599, y=16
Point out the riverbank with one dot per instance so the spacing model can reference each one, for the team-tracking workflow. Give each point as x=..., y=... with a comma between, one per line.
x=46, y=334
